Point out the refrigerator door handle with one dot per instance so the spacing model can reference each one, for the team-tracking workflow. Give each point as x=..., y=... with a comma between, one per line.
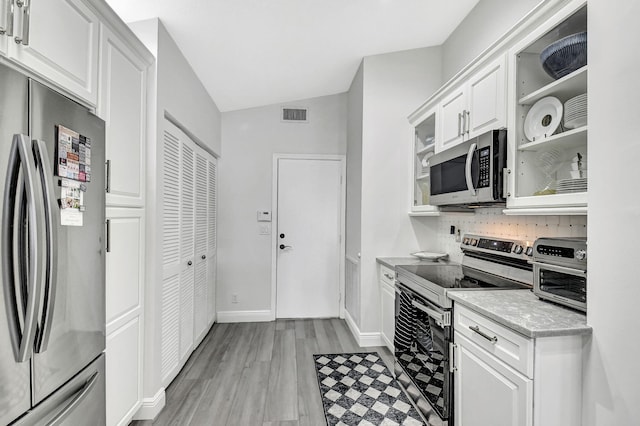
x=75, y=400
x=22, y=168
x=49, y=278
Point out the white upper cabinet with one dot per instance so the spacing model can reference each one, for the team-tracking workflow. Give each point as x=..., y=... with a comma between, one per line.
x=475, y=106
x=487, y=99
x=58, y=39
x=452, y=110
x=122, y=104
x=548, y=128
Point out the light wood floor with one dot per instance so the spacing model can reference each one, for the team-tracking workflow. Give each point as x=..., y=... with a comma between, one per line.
x=257, y=374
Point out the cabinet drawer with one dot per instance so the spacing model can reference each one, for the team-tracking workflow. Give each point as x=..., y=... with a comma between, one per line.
x=506, y=345
x=387, y=275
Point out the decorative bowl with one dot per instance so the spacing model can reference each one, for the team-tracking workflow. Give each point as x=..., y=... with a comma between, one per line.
x=564, y=56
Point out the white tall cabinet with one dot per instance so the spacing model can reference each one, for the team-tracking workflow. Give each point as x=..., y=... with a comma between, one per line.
x=122, y=103
x=189, y=243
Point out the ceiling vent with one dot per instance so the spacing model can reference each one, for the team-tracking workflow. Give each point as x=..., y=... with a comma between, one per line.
x=295, y=115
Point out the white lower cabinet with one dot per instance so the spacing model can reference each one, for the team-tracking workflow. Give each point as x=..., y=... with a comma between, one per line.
x=388, y=303
x=123, y=385
x=487, y=391
x=503, y=378
x=124, y=313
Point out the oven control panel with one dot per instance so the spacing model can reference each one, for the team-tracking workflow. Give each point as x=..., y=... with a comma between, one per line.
x=502, y=246
x=569, y=251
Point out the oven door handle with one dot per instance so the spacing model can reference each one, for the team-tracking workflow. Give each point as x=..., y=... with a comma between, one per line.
x=442, y=318
x=561, y=269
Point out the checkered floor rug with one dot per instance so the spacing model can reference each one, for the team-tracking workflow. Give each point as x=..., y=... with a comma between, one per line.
x=357, y=389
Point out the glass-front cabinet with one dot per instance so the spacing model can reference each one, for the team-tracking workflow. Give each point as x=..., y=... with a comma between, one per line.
x=423, y=149
x=548, y=129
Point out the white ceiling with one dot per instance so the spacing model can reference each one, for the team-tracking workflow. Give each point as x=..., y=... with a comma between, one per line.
x=257, y=52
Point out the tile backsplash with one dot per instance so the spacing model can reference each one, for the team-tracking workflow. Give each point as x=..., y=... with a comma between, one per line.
x=492, y=222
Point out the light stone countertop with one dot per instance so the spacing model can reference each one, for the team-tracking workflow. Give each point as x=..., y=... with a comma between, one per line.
x=392, y=262
x=523, y=312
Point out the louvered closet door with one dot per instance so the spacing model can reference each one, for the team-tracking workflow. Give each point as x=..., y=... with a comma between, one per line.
x=201, y=248
x=212, y=214
x=170, y=311
x=187, y=236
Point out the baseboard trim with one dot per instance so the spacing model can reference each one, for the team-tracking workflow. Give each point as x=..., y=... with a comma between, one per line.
x=244, y=316
x=151, y=407
x=364, y=339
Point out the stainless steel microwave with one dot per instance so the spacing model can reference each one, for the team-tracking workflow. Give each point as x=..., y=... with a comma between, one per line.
x=471, y=173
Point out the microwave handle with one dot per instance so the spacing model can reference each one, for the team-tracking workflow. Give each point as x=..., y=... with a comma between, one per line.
x=467, y=168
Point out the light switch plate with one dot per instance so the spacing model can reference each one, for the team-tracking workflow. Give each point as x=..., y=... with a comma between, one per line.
x=264, y=216
x=265, y=229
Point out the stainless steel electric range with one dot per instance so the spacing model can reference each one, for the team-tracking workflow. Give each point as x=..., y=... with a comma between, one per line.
x=424, y=332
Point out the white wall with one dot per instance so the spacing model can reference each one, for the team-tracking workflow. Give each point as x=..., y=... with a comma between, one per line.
x=180, y=92
x=486, y=22
x=251, y=137
x=175, y=91
x=354, y=193
x=394, y=85
x=354, y=163
x=612, y=370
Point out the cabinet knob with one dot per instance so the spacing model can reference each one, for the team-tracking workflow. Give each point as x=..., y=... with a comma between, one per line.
x=204, y=256
x=189, y=263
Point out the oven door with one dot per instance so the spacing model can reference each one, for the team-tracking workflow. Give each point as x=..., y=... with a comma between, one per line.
x=421, y=348
x=567, y=286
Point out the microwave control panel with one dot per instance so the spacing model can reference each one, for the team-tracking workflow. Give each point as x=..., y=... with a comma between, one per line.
x=484, y=155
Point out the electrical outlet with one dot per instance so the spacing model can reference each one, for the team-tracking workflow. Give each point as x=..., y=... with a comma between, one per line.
x=234, y=298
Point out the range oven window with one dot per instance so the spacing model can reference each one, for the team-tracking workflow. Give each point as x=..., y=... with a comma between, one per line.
x=421, y=349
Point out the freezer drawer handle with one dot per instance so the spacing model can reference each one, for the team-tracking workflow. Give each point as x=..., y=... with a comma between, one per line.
x=22, y=179
x=76, y=399
x=49, y=279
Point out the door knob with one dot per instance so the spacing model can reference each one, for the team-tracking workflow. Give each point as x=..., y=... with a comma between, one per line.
x=282, y=247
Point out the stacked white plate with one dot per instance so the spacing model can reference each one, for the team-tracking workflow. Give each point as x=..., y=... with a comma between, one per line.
x=575, y=112
x=566, y=186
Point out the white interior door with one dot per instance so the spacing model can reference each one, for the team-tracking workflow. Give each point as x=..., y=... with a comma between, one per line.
x=308, y=238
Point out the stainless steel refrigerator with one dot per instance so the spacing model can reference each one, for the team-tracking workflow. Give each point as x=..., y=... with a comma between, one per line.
x=52, y=263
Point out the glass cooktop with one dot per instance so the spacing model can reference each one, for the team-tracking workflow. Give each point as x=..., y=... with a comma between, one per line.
x=443, y=275
x=454, y=276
